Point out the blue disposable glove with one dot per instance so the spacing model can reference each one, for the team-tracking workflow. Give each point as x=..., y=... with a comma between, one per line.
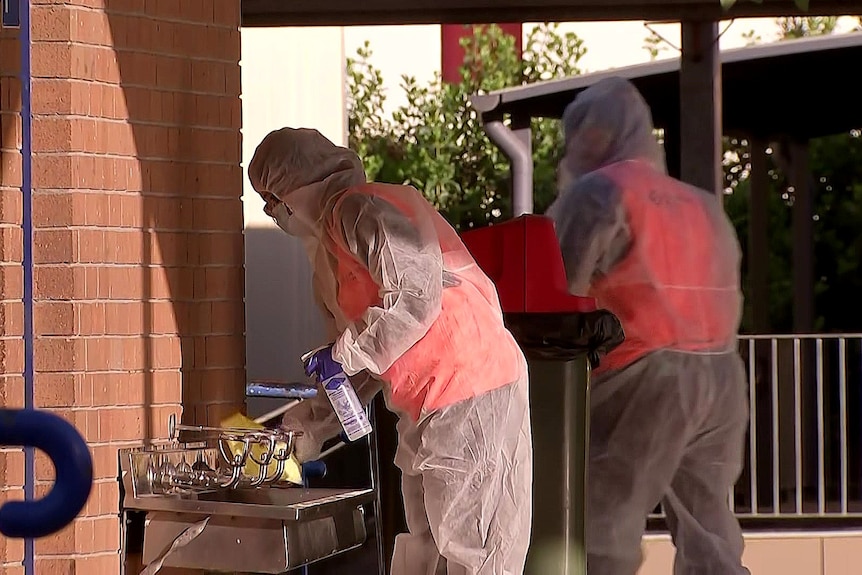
x=313, y=470
x=320, y=364
x=316, y=468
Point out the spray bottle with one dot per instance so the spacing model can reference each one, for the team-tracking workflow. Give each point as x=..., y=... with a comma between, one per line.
x=344, y=402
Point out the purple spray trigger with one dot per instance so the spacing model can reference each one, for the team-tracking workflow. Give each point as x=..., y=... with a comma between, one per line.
x=334, y=383
x=311, y=365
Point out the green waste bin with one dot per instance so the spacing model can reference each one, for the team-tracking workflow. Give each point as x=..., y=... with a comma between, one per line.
x=560, y=350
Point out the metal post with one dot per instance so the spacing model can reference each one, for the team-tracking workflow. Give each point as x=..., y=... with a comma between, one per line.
x=559, y=404
x=700, y=106
x=374, y=465
x=672, y=149
x=803, y=302
x=758, y=352
x=803, y=238
x=758, y=236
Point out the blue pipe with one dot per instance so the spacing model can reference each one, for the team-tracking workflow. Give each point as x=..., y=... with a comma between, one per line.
x=27, y=263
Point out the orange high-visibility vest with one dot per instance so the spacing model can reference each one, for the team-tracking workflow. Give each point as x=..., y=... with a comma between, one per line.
x=466, y=352
x=678, y=286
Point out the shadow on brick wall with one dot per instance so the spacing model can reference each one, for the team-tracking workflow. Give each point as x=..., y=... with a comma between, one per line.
x=179, y=73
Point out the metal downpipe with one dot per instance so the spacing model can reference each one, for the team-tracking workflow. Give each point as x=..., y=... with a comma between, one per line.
x=522, y=165
x=24, y=40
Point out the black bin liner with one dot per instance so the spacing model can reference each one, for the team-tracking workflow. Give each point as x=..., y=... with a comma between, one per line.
x=563, y=336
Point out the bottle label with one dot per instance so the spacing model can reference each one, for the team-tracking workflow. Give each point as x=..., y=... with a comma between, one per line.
x=347, y=407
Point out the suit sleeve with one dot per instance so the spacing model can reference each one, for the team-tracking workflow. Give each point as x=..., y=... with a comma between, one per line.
x=592, y=229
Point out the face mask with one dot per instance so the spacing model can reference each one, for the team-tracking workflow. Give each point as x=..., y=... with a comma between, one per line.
x=283, y=216
x=291, y=223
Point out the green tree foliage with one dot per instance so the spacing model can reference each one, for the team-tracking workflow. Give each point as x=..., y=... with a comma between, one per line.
x=791, y=28
x=751, y=38
x=837, y=175
x=836, y=168
x=435, y=141
x=654, y=44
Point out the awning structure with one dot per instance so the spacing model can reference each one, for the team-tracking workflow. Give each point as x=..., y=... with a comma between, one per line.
x=374, y=12
x=781, y=88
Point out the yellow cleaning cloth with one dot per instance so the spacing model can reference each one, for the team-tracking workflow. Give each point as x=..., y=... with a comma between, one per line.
x=292, y=471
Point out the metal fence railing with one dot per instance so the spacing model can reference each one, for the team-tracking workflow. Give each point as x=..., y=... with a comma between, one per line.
x=804, y=447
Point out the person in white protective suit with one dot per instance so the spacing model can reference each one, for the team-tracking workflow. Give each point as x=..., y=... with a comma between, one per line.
x=409, y=310
x=668, y=407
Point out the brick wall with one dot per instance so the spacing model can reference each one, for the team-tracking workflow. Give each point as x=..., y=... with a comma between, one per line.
x=138, y=244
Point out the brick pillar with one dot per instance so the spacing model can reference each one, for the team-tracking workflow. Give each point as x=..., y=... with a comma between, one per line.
x=138, y=242
x=11, y=283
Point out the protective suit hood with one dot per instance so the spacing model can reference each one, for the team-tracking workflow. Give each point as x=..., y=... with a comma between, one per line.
x=305, y=171
x=607, y=123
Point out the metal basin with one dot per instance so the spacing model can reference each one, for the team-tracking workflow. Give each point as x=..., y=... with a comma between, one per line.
x=231, y=544
x=292, y=504
x=252, y=530
x=264, y=530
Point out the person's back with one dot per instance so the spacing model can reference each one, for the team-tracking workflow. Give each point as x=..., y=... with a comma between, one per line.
x=677, y=285
x=668, y=407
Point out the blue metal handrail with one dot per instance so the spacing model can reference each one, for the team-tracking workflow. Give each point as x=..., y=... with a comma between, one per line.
x=72, y=463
